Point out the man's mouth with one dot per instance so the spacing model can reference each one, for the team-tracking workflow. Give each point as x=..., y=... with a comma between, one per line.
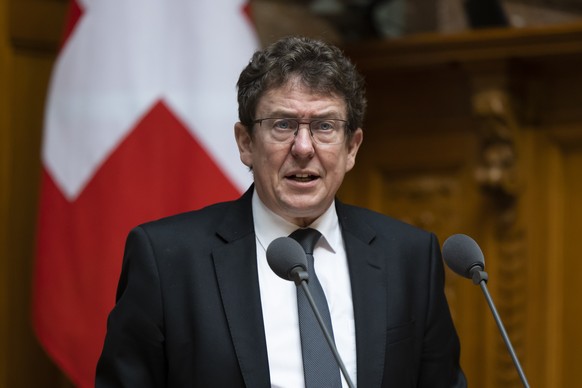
x=302, y=177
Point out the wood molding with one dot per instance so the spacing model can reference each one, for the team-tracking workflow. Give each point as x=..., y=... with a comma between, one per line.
x=37, y=24
x=566, y=136
x=471, y=46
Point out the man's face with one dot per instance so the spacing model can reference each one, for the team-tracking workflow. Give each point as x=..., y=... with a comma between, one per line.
x=297, y=181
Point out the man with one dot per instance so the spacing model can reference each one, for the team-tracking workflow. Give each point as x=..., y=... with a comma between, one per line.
x=197, y=304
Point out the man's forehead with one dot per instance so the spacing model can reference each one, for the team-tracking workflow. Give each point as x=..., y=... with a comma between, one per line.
x=294, y=95
x=296, y=83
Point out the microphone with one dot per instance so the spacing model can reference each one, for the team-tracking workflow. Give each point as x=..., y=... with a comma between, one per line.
x=463, y=255
x=286, y=258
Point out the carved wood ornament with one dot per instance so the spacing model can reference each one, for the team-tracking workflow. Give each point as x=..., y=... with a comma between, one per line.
x=497, y=175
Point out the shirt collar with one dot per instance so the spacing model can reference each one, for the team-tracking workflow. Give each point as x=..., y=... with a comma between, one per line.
x=269, y=225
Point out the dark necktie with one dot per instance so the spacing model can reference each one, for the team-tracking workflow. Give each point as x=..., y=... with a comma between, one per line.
x=319, y=366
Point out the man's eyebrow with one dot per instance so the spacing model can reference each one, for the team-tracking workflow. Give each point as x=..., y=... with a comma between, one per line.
x=281, y=113
x=333, y=113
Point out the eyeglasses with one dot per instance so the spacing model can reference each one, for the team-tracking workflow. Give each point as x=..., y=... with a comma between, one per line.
x=323, y=131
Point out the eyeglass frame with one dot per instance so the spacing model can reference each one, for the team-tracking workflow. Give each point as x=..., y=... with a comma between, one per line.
x=306, y=121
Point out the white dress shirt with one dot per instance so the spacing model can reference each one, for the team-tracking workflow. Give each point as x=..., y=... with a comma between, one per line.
x=279, y=296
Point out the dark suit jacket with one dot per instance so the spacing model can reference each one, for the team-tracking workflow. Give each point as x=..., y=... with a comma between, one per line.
x=188, y=310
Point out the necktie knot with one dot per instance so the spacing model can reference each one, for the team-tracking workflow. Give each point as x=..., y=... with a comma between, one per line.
x=307, y=238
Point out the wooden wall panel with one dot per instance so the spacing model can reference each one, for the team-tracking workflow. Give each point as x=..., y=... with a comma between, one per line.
x=29, y=78
x=481, y=134
x=565, y=261
x=29, y=35
x=4, y=174
x=572, y=314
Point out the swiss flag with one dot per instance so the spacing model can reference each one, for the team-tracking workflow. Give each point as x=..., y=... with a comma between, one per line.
x=139, y=125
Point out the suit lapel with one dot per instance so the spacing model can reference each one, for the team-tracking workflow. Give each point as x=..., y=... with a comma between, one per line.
x=236, y=271
x=369, y=296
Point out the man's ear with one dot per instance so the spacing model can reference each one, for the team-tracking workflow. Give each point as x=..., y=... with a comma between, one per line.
x=353, y=146
x=244, y=142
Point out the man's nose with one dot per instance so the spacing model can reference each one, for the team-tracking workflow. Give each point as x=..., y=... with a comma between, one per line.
x=303, y=142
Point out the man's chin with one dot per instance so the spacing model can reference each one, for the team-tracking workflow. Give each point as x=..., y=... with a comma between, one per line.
x=306, y=208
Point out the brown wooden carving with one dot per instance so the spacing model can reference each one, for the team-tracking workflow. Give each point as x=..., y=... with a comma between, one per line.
x=497, y=174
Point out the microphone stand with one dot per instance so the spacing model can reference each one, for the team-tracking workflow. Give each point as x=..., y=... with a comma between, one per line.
x=300, y=278
x=480, y=278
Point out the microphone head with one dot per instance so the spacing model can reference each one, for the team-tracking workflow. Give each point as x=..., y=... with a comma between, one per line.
x=462, y=254
x=284, y=255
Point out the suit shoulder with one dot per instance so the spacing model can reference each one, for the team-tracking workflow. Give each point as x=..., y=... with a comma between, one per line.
x=191, y=223
x=381, y=223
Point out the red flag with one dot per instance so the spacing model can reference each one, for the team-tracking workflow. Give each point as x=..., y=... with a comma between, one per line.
x=139, y=125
